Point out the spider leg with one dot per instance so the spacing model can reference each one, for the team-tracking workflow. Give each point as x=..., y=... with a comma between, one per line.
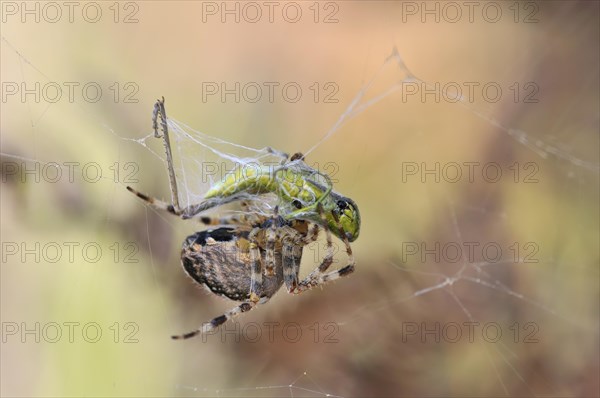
x=187, y=212
x=312, y=235
x=242, y=218
x=291, y=258
x=218, y=321
x=192, y=210
x=256, y=269
x=292, y=255
x=155, y=203
x=328, y=260
x=270, y=247
x=318, y=276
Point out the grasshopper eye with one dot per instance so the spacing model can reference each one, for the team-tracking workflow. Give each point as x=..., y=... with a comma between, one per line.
x=342, y=205
x=296, y=203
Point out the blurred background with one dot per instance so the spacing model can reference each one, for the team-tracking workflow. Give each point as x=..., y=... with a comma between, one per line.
x=477, y=264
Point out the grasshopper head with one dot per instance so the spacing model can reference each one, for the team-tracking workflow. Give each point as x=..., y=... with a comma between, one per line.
x=346, y=212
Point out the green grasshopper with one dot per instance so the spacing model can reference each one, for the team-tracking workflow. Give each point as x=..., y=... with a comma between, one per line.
x=299, y=193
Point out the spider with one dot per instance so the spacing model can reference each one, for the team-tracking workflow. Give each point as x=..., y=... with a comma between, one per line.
x=251, y=258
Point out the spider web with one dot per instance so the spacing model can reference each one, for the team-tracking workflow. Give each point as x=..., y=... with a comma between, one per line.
x=429, y=283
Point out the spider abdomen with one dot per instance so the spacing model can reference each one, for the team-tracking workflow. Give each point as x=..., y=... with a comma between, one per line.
x=219, y=259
